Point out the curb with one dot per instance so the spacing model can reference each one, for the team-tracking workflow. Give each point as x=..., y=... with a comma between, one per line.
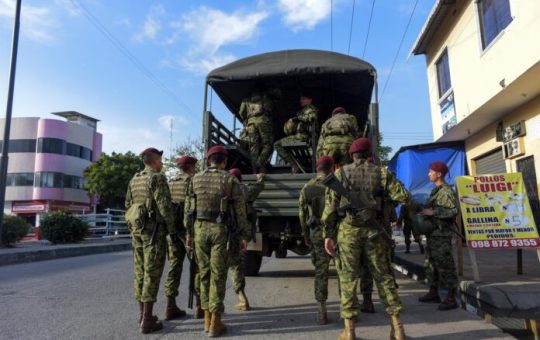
x=50, y=254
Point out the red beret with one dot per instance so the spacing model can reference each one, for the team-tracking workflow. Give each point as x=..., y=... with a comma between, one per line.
x=439, y=166
x=337, y=110
x=151, y=150
x=359, y=145
x=186, y=160
x=217, y=149
x=325, y=160
x=236, y=172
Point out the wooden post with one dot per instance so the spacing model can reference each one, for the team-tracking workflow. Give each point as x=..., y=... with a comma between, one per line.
x=520, y=261
x=474, y=265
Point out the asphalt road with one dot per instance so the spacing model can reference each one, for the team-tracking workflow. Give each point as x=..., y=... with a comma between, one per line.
x=90, y=297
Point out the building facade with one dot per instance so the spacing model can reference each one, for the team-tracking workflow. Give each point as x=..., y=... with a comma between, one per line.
x=46, y=162
x=483, y=67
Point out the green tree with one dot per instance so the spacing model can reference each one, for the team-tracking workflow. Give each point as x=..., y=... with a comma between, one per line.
x=108, y=178
x=191, y=147
x=383, y=151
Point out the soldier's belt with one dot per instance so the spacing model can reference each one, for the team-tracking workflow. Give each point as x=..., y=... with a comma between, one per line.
x=207, y=215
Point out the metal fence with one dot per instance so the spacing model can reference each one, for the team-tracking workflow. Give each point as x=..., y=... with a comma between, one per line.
x=108, y=224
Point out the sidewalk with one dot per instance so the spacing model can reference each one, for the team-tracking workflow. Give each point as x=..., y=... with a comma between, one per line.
x=42, y=250
x=509, y=300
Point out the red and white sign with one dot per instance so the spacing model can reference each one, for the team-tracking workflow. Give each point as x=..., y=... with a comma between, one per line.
x=28, y=207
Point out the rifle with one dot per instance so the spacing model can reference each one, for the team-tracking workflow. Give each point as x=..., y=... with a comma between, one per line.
x=192, y=274
x=355, y=203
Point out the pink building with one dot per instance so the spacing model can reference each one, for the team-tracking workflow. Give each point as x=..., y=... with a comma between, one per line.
x=46, y=162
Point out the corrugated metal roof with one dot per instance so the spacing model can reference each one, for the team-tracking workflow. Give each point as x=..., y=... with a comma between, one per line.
x=436, y=16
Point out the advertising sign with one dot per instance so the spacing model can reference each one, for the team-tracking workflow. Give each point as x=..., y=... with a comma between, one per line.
x=496, y=212
x=448, y=113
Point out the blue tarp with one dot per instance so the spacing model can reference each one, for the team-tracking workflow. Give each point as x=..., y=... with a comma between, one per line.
x=411, y=166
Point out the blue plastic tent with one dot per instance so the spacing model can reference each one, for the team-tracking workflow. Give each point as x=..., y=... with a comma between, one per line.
x=411, y=165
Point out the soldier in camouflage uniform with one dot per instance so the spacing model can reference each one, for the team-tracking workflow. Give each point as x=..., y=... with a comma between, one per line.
x=236, y=259
x=311, y=204
x=214, y=195
x=298, y=129
x=337, y=134
x=150, y=216
x=404, y=221
x=176, y=251
x=439, y=262
x=355, y=238
x=257, y=136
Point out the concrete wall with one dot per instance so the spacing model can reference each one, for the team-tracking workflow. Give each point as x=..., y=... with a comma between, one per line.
x=476, y=72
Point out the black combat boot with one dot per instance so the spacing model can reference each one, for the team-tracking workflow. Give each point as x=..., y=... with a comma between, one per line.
x=322, y=317
x=367, y=304
x=407, y=248
x=172, y=311
x=431, y=296
x=450, y=301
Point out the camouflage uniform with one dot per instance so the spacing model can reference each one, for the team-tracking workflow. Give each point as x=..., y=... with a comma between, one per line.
x=365, y=179
x=208, y=191
x=149, y=258
x=337, y=134
x=236, y=259
x=300, y=132
x=408, y=231
x=311, y=204
x=257, y=136
x=439, y=261
x=176, y=251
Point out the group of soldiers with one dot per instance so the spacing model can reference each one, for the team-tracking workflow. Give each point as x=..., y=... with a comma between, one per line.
x=206, y=215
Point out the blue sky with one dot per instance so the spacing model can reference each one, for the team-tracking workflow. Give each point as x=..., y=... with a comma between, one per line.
x=66, y=63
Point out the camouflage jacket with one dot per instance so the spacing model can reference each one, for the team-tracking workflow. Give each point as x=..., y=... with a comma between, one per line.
x=305, y=117
x=305, y=209
x=260, y=104
x=159, y=190
x=443, y=201
x=251, y=192
x=341, y=124
x=179, y=187
x=393, y=192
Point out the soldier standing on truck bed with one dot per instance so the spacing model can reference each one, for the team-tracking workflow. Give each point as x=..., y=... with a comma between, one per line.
x=355, y=235
x=257, y=136
x=337, y=134
x=298, y=129
x=150, y=216
x=236, y=259
x=215, y=206
x=311, y=206
x=176, y=251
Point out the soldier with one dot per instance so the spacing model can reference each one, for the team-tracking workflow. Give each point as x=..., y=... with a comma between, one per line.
x=439, y=262
x=176, y=251
x=297, y=129
x=311, y=205
x=150, y=215
x=257, y=136
x=405, y=222
x=355, y=237
x=236, y=258
x=337, y=134
x=215, y=197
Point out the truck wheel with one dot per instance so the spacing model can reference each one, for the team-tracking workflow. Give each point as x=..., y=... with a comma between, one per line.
x=252, y=262
x=281, y=253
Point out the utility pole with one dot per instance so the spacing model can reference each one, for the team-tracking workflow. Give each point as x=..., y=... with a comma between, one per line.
x=9, y=106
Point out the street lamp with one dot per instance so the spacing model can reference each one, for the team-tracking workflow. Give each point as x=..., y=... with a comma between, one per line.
x=9, y=106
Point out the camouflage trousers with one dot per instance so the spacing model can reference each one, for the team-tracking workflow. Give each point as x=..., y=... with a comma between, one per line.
x=148, y=262
x=339, y=151
x=278, y=146
x=258, y=138
x=408, y=232
x=439, y=262
x=353, y=245
x=211, y=251
x=176, y=253
x=321, y=262
x=236, y=267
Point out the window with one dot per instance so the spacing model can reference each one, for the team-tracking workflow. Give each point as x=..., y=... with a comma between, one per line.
x=73, y=182
x=49, y=180
x=494, y=17
x=443, y=74
x=86, y=153
x=20, y=179
x=51, y=145
x=73, y=150
x=20, y=145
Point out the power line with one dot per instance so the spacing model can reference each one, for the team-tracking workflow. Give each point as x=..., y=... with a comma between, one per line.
x=368, y=28
x=351, y=29
x=398, y=50
x=116, y=43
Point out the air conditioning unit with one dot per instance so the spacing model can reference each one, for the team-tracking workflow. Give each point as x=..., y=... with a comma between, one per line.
x=513, y=148
x=514, y=131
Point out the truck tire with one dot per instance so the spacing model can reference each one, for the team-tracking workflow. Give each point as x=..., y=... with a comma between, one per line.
x=252, y=262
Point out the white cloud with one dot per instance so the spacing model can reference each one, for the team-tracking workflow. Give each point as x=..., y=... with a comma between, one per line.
x=69, y=7
x=125, y=21
x=36, y=21
x=152, y=24
x=304, y=14
x=203, y=65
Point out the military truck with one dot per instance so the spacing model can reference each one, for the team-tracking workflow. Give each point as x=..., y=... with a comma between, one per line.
x=333, y=79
